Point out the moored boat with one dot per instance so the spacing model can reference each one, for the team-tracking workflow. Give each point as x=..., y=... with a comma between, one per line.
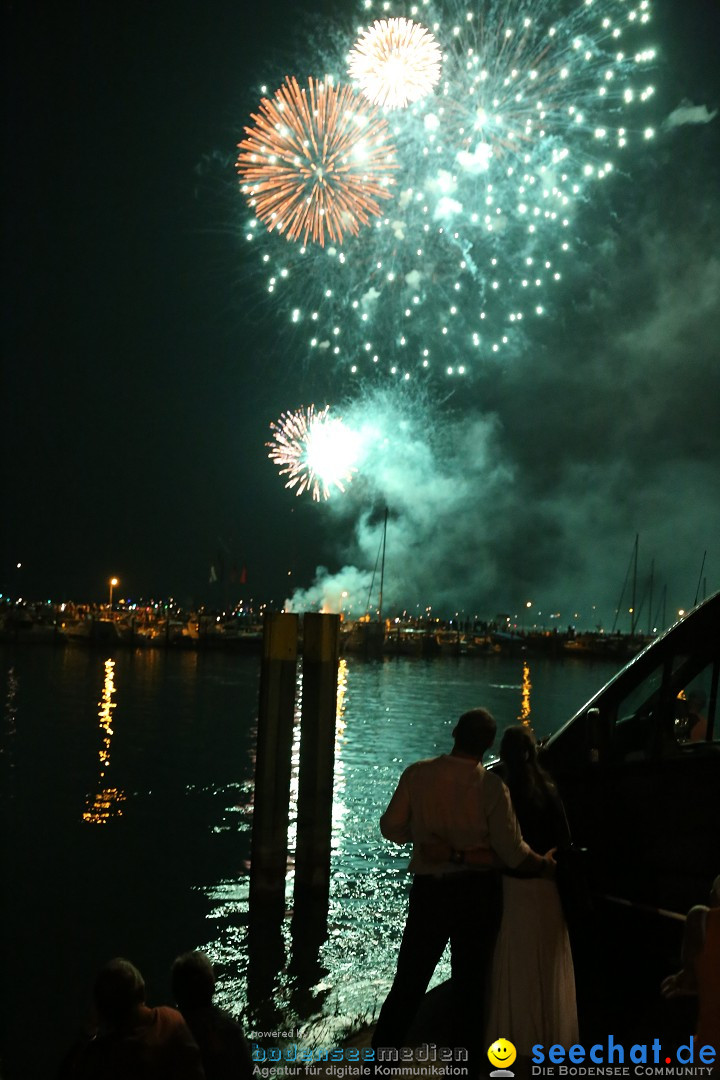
x=641, y=794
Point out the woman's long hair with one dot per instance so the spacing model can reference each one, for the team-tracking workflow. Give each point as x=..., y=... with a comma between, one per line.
x=528, y=782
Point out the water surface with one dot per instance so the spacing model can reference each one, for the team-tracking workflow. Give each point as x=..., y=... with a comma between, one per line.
x=126, y=796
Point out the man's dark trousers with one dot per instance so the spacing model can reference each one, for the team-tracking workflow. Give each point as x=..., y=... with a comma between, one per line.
x=463, y=908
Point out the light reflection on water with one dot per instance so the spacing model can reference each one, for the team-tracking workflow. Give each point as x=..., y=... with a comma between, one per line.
x=173, y=868
x=526, y=690
x=388, y=715
x=7, y=743
x=340, y=780
x=107, y=801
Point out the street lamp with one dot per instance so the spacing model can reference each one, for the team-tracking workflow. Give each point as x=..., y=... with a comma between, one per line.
x=113, y=583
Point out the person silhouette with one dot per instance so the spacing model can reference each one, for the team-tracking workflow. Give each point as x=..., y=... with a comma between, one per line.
x=456, y=814
x=532, y=988
x=223, y=1047
x=133, y=1041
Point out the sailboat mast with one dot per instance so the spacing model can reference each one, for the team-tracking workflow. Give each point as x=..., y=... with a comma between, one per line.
x=622, y=595
x=702, y=567
x=634, y=589
x=382, y=566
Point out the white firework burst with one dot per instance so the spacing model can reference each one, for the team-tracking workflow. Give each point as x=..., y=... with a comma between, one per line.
x=396, y=62
x=315, y=451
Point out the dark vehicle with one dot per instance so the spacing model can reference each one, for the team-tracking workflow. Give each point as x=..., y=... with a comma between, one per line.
x=639, y=770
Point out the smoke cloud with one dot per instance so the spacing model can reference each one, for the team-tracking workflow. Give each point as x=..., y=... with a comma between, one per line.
x=529, y=483
x=687, y=113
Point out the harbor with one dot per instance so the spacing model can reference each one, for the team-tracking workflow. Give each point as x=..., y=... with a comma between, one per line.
x=141, y=765
x=164, y=625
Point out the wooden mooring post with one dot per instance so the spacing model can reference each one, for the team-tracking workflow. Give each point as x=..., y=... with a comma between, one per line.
x=321, y=643
x=268, y=865
x=271, y=811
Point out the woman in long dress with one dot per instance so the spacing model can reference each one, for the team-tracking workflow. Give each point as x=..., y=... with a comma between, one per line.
x=532, y=990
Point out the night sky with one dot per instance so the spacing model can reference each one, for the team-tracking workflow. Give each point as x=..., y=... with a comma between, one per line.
x=144, y=362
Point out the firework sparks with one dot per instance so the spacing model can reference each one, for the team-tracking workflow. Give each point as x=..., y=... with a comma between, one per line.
x=315, y=451
x=498, y=166
x=396, y=62
x=316, y=162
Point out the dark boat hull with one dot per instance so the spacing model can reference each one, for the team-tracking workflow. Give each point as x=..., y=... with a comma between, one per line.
x=641, y=796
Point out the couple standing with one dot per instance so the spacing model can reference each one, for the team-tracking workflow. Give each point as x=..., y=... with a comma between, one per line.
x=512, y=972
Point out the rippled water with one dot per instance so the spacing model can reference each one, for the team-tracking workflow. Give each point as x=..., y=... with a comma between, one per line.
x=126, y=791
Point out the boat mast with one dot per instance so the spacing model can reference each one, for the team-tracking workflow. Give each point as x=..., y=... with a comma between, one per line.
x=702, y=567
x=634, y=589
x=622, y=595
x=382, y=566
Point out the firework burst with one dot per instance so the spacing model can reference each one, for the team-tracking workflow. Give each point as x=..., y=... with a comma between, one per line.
x=496, y=168
x=315, y=451
x=316, y=162
x=396, y=62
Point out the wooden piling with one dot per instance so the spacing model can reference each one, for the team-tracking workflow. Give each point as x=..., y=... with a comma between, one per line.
x=321, y=638
x=273, y=761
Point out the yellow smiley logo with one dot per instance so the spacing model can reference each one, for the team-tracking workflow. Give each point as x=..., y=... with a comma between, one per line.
x=502, y=1053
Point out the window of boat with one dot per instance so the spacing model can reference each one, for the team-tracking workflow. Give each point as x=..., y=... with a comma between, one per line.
x=670, y=710
x=636, y=715
x=695, y=707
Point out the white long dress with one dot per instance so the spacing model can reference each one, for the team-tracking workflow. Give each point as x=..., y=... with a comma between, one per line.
x=532, y=990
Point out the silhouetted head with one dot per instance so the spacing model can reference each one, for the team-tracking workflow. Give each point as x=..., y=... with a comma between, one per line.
x=193, y=981
x=119, y=988
x=518, y=747
x=474, y=732
x=523, y=773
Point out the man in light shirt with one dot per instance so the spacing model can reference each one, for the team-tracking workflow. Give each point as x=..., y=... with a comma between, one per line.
x=451, y=805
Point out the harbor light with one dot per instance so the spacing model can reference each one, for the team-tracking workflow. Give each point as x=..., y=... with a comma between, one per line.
x=113, y=582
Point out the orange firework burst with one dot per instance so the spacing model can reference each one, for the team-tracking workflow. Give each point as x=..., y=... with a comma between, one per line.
x=316, y=161
x=396, y=62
